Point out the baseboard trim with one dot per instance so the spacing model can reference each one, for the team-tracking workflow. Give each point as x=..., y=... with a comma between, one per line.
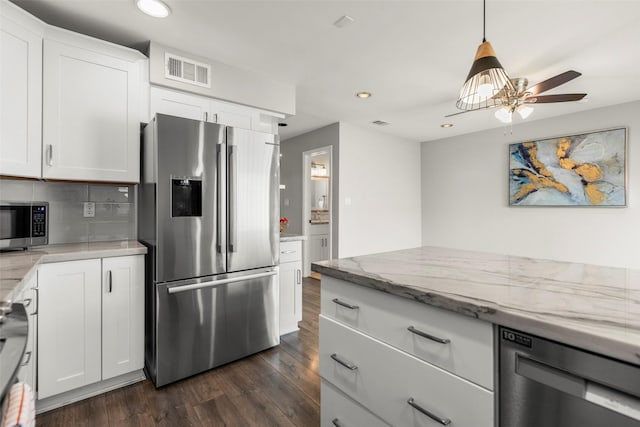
x=87, y=391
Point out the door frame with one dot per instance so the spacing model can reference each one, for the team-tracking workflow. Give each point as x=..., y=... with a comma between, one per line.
x=306, y=213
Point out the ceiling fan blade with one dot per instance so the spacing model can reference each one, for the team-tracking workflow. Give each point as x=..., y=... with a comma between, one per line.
x=555, y=81
x=546, y=99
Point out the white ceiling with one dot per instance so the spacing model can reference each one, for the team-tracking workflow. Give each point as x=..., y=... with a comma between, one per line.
x=412, y=55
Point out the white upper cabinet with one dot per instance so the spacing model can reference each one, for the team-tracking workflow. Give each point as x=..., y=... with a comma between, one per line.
x=91, y=109
x=179, y=104
x=190, y=106
x=20, y=93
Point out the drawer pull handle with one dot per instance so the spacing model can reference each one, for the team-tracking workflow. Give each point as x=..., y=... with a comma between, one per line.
x=426, y=335
x=287, y=252
x=336, y=422
x=343, y=363
x=344, y=304
x=443, y=421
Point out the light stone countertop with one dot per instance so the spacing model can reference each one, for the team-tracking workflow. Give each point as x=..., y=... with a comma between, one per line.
x=587, y=306
x=16, y=266
x=286, y=237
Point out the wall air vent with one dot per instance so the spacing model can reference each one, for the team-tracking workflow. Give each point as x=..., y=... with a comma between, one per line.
x=186, y=70
x=380, y=122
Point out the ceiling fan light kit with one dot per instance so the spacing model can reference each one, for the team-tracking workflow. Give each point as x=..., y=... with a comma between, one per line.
x=489, y=86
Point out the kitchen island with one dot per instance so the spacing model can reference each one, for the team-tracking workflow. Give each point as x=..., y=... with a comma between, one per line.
x=587, y=306
x=432, y=312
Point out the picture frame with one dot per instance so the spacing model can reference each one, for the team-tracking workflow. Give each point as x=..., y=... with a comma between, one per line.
x=583, y=169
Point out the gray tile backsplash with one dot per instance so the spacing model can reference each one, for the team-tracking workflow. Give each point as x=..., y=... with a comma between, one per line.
x=115, y=217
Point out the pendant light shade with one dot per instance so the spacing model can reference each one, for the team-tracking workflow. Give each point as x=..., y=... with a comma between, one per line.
x=485, y=79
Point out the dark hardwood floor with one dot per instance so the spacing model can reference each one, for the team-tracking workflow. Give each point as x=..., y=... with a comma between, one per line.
x=277, y=387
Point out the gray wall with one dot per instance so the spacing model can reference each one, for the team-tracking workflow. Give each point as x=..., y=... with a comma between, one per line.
x=115, y=209
x=291, y=172
x=465, y=189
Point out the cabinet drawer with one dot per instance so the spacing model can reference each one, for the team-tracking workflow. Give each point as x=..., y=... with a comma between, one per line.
x=468, y=353
x=384, y=379
x=290, y=251
x=341, y=411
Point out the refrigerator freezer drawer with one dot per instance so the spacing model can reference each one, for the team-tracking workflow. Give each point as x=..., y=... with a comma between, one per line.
x=204, y=324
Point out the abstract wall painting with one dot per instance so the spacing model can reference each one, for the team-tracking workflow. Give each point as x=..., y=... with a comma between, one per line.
x=577, y=170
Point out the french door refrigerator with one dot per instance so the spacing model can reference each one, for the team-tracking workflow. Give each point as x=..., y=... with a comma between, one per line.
x=208, y=214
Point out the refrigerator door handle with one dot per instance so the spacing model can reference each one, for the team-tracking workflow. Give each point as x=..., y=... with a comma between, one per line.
x=233, y=197
x=213, y=283
x=219, y=198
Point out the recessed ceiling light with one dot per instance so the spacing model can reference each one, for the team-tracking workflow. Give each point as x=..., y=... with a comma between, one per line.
x=363, y=95
x=446, y=125
x=155, y=8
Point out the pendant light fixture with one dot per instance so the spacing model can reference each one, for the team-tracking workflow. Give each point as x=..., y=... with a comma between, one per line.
x=486, y=77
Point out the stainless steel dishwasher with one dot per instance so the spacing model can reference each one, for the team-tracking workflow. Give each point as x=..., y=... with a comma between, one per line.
x=546, y=384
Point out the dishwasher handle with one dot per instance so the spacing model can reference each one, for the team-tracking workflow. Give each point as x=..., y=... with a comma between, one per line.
x=598, y=394
x=213, y=283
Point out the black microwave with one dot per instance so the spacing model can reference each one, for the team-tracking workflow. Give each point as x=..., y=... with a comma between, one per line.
x=23, y=224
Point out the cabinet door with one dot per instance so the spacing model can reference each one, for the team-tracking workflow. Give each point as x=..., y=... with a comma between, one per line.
x=122, y=315
x=20, y=100
x=91, y=122
x=318, y=247
x=69, y=347
x=180, y=104
x=290, y=296
x=27, y=372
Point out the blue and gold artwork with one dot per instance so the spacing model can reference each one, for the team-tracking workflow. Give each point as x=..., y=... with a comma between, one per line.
x=577, y=170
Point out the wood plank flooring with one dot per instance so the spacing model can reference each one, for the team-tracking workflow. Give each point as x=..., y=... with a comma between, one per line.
x=277, y=387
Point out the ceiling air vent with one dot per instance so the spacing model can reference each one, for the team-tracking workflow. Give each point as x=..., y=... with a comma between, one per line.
x=186, y=70
x=380, y=122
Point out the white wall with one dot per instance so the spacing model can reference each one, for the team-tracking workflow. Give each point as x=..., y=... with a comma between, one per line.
x=465, y=196
x=381, y=176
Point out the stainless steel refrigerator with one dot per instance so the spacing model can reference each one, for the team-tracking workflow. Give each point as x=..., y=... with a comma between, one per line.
x=208, y=214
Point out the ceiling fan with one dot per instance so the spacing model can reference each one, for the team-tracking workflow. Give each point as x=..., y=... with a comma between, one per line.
x=518, y=96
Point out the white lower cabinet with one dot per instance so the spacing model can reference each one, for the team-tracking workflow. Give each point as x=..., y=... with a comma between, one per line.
x=399, y=388
x=69, y=345
x=341, y=411
x=290, y=286
x=408, y=363
x=90, y=324
x=122, y=315
x=28, y=297
x=318, y=247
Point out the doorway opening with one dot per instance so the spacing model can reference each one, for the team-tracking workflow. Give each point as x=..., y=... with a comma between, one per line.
x=317, y=207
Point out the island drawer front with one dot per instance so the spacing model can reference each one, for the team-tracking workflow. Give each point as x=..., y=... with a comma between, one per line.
x=469, y=352
x=340, y=410
x=383, y=379
x=290, y=251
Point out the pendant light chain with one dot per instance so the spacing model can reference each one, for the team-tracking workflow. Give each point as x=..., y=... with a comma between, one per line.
x=484, y=20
